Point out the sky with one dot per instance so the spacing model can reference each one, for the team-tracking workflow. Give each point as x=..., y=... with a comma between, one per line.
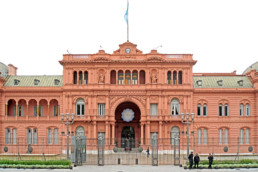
x=222, y=35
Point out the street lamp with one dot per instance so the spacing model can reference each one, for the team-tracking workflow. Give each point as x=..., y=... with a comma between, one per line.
x=67, y=123
x=187, y=122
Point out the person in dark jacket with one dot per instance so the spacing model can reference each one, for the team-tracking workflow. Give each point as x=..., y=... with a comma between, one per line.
x=190, y=158
x=196, y=160
x=148, y=152
x=210, y=157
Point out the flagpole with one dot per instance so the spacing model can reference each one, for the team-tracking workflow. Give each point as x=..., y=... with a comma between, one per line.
x=128, y=23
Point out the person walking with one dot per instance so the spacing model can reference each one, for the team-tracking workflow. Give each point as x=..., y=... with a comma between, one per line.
x=210, y=157
x=190, y=158
x=148, y=152
x=196, y=160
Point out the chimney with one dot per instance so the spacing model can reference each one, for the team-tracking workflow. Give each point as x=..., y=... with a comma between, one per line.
x=12, y=70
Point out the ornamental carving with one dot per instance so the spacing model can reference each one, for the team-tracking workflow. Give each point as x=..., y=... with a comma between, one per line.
x=101, y=59
x=180, y=98
x=101, y=78
x=155, y=59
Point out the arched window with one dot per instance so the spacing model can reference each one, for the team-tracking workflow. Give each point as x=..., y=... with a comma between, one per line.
x=86, y=77
x=127, y=77
x=244, y=136
x=241, y=109
x=247, y=110
x=52, y=136
x=80, y=131
x=80, y=107
x=205, y=110
x=226, y=110
x=225, y=136
x=135, y=77
x=142, y=77
x=113, y=77
x=174, y=77
x=202, y=136
x=223, y=133
x=120, y=77
x=80, y=77
x=220, y=136
x=175, y=135
x=32, y=136
x=199, y=109
x=180, y=77
x=175, y=107
x=74, y=77
x=220, y=109
x=169, y=77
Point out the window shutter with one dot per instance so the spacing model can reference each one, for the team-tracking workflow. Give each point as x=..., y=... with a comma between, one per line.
x=34, y=136
x=14, y=111
x=55, y=136
x=247, y=136
x=241, y=136
x=8, y=136
x=226, y=136
x=29, y=134
x=204, y=136
x=199, y=136
x=220, y=136
x=14, y=135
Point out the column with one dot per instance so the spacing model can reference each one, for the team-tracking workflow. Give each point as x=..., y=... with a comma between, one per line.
x=160, y=134
x=94, y=129
x=48, y=109
x=148, y=133
x=27, y=109
x=107, y=133
x=17, y=106
x=113, y=133
x=78, y=79
x=6, y=110
x=142, y=137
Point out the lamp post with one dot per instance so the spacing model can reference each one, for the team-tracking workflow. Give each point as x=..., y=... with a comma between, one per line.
x=187, y=122
x=67, y=122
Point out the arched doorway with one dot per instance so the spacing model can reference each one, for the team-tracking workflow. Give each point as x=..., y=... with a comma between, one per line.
x=128, y=137
x=128, y=132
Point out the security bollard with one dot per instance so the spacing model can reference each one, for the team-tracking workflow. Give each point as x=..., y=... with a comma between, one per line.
x=118, y=161
x=136, y=161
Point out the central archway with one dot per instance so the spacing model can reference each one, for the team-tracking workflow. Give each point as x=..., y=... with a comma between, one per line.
x=127, y=133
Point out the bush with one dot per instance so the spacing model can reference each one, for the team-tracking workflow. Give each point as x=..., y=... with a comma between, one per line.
x=36, y=162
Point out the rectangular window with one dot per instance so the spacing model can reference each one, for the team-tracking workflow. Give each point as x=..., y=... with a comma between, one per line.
x=226, y=136
x=154, y=109
x=205, y=110
x=101, y=109
x=220, y=110
x=247, y=136
x=34, y=110
x=20, y=110
x=49, y=136
x=55, y=110
x=34, y=136
x=241, y=136
x=29, y=136
x=8, y=136
x=205, y=139
x=241, y=110
x=83, y=109
x=55, y=136
x=14, y=135
x=78, y=109
x=40, y=110
x=199, y=110
x=220, y=136
x=226, y=110
x=247, y=110
x=199, y=136
x=14, y=110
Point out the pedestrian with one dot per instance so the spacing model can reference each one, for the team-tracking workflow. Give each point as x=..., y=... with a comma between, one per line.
x=148, y=152
x=196, y=160
x=210, y=157
x=190, y=158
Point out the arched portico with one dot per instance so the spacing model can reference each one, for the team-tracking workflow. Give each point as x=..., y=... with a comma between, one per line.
x=127, y=125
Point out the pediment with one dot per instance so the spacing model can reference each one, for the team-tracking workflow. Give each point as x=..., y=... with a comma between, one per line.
x=127, y=46
x=101, y=59
x=155, y=59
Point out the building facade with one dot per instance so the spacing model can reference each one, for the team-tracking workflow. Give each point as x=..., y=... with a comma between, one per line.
x=131, y=95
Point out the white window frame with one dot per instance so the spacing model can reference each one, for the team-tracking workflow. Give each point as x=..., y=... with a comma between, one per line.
x=220, y=136
x=241, y=109
x=220, y=110
x=175, y=107
x=154, y=109
x=101, y=109
x=225, y=136
x=81, y=104
x=205, y=109
x=199, y=136
x=199, y=109
x=247, y=110
x=226, y=110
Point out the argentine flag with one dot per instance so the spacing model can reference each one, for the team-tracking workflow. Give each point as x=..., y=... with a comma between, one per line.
x=126, y=13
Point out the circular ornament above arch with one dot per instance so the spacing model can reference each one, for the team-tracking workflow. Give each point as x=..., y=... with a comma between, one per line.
x=128, y=115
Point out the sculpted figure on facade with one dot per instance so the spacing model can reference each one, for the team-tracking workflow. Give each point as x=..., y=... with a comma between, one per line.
x=154, y=78
x=101, y=78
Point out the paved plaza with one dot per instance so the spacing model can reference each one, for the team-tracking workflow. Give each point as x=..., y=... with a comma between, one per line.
x=131, y=168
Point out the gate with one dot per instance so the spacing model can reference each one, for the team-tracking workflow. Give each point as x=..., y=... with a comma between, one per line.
x=101, y=149
x=176, y=141
x=78, y=149
x=154, y=147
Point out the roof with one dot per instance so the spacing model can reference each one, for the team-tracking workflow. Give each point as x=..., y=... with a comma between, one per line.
x=3, y=70
x=253, y=66
x=222, y=82
x=28, y=81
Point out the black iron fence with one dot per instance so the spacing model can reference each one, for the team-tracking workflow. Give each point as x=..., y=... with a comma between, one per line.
x=131, y=151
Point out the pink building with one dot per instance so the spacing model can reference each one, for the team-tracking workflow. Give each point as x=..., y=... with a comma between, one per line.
x=131, y=95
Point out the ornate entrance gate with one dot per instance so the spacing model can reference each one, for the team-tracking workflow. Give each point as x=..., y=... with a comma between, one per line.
x=155, y=150
x=101, y=149
x=78, y=149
